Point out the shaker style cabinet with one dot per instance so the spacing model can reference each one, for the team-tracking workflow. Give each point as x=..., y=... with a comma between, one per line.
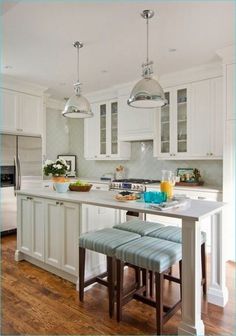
x=172, y=132
x=190, y=125
x=206, y=119
x=48, y=230
x=101, y=140
x=30, y=232
x=21, y=113
x=61, y=235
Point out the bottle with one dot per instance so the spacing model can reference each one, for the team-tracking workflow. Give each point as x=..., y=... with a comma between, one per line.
x=167, y=183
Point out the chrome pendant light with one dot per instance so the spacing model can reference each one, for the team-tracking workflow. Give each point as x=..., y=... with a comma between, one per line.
x=147, y=93
x=77, y=106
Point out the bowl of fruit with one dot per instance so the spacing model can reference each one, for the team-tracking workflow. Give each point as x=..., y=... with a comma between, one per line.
x=80, y=186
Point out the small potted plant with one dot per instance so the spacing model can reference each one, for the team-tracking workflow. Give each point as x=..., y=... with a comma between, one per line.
x=57, y=169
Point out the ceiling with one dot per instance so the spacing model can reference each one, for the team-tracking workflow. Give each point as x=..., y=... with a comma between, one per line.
x=38, y=36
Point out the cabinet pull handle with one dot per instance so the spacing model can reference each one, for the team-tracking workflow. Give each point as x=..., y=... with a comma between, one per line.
x=107, y=155
x=57, y=202
x=211, y=154
x=61, y=203
x=29, y=198
x=19, y=129
x=97, y=187
x=201, y=197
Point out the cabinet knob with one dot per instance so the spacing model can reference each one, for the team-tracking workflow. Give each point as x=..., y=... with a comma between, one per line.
x=19, y=129
x=107, y=155
x=29, y=198
x=211, y=154
x=57, y=202
x=61, y=203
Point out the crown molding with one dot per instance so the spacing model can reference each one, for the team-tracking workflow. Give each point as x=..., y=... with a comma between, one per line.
x=14, y=84
x=227, y=54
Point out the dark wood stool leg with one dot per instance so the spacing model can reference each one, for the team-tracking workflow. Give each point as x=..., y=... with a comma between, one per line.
x=119, y=288
x=145, y=281
x=159, y=301
x=204, y=268
x=151, y=281
x=111, y=284
x=81, y=273
x=137, y=276
x=180, y=277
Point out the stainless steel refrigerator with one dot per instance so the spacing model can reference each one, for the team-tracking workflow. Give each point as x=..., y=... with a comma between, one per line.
x=21, y=167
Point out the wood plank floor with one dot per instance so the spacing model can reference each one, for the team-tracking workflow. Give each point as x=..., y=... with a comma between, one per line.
x=35, y=302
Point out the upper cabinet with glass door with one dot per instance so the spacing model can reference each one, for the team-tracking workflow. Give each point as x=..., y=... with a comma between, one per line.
x=172, y=132
x=104, y=131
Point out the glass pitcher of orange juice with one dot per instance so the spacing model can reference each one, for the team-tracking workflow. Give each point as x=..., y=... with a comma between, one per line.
x=167, y=183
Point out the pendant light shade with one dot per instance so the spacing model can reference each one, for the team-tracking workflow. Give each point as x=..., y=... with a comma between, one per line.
x=77, y=105
x=147, y=93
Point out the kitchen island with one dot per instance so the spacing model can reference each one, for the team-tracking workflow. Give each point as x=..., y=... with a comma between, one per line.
x=50, y=223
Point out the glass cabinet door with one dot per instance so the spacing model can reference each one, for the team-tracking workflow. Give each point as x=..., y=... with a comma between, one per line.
x=114, y=128
x=165, y=125
x=103, y=121
x=182, y=121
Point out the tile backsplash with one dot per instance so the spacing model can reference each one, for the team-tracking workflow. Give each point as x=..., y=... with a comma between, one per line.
x=67, y=137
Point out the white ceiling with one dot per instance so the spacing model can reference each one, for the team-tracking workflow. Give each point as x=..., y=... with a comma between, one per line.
x=38, y=37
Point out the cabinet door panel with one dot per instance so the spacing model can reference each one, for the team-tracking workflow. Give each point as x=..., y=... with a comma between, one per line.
x=9, y=110
x=37, y=228
x=70, y=234
x=30, y=114
x=216, y=127
x=53, y=235
x=200, y=119
x=91, y=135
x=230, y=91
x=24, y=218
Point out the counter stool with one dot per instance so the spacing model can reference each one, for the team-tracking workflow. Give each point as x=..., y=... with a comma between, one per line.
x=174, y=234
x=143, y=228
x=171, y=233
x=106, y=242
x=151, y=254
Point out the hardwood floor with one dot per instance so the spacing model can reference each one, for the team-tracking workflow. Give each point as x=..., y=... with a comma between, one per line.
x=36, y=302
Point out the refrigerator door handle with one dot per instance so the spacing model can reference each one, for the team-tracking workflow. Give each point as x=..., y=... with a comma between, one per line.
x=16, y=175
x=19, y=173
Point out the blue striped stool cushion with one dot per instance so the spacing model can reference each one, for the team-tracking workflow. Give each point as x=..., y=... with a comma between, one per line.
x=138, y=226
x=150, y=253
x=106, y=241
x=173, y=234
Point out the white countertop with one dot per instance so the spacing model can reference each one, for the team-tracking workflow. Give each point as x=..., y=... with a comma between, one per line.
x=206, y=188
x=197, y=210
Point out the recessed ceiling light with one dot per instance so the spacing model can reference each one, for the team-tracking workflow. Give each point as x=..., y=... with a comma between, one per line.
x=8, y=67
x=172, y=49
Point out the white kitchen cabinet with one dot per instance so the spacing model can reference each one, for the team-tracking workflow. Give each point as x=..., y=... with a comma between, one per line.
x=135, y=124
x=30, y=235
x=230, y=91
x=61, y=235
x=190, y=126
x=22, y=113
x=101, y=141
x=96, y=218
x=172, y=121
x=206, y=119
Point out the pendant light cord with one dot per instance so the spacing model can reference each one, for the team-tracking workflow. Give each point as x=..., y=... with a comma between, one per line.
x=77, y=64
x=147, y=41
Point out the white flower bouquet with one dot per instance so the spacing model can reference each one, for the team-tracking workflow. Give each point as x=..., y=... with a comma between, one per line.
x=57, y=168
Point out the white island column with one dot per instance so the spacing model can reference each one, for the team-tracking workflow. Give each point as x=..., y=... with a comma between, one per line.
x=191, y=279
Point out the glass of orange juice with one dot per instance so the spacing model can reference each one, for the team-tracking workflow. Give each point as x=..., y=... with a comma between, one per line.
x=167, y=183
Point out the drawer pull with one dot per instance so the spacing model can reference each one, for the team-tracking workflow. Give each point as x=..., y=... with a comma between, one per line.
x=61, y=203
x=29, y=198
x=97, y=187
x=57, y=202
x=201, y=198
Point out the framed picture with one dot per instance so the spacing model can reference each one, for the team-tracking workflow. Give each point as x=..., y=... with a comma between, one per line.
x=71, y=162
x=186, y=174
